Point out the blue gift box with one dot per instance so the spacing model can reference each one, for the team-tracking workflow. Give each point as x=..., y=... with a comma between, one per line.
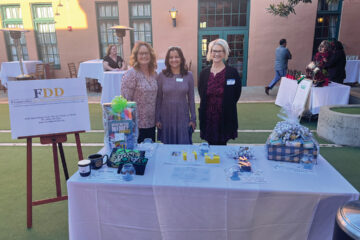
x=290, y=153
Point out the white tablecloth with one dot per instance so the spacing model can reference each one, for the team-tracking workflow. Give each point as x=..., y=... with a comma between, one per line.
x=92, y=69
x=352, y=69
x=183, y=200
x=12, y=69
x=334, y=94
x=111, y=85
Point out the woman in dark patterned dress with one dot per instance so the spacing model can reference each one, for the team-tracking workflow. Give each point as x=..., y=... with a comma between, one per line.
x=175, y=106
x=113, y=62
x=219, y=89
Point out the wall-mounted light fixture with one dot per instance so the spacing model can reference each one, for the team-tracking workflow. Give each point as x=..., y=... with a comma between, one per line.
x=320, y=19
x=173, y=13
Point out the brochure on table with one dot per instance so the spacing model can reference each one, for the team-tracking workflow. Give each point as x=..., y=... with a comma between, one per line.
x=301, y=96
x=40, y=107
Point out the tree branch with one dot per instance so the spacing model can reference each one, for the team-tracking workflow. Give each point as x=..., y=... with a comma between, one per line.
x=283, y=9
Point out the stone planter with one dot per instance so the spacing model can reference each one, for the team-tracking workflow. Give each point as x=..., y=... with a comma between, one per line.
x=339, y=128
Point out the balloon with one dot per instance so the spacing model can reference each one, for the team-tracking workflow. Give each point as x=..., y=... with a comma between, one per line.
x=118, y=104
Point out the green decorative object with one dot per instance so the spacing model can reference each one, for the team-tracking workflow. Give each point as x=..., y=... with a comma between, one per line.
x=118, y=104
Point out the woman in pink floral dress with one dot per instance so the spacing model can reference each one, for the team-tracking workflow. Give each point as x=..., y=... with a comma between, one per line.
x=139, y=85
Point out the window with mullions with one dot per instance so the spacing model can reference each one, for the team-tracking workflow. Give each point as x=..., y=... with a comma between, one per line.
x=220, y=13
x=11, y=16
x=45, y=34
x=327, y=22
x=140, y=20
x=107, y=16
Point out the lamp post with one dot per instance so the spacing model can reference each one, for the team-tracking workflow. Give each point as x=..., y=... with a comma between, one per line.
x=120, y=33
x=15, y=34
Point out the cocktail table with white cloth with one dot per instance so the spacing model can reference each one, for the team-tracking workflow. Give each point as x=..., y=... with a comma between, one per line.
x=12, y=69
x=334, y=94
x=92, y=69
x=111, y=80
x=178, y=200
x=111, y=85
x=352, y=69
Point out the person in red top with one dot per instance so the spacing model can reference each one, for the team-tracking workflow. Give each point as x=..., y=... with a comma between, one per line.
x=320, y=59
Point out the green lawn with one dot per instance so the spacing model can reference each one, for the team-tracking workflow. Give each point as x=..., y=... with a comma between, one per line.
x=50, y=221
x=347, y=110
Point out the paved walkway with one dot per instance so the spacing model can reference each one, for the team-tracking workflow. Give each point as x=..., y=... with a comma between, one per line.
x=248, y=95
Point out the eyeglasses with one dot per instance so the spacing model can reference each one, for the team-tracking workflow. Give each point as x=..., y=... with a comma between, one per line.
x=143, y=53
x=216, y=51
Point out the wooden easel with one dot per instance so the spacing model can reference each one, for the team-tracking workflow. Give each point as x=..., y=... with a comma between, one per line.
x=56, y=140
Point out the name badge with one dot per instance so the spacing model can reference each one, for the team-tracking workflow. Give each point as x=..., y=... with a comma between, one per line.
x=179, y=80
x=230, y=82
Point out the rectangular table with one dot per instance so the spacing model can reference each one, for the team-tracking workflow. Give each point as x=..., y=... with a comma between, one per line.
x=12, y=69
x=352, y=69
x=193, y=200
x=334, y=94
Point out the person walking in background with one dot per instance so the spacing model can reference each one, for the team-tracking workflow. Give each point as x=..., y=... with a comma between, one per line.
x=219, y=90
x=113, y=62
x=175, y=105
x=139, y=84
x=336, y=63
x=282, y=55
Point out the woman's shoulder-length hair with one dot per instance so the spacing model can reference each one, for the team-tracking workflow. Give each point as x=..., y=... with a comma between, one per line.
x=183, y=68
x=134, y=53
x=108, y=50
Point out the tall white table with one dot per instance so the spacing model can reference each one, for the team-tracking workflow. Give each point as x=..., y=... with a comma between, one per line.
x=111, y=85
x=110, y=81
x=92, y=69
x=352, y=69
x=334, y=94
x=12, y=69
x=192, y=200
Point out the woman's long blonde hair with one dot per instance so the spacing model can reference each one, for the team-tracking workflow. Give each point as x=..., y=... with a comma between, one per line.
x=133, y=58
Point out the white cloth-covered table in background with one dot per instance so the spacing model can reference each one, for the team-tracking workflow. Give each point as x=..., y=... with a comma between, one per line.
x=160, y=65
x=334, y=94
x=352, y=69
x=12, y=69
x=178, y=200
x=111, y=85
x=92, y=69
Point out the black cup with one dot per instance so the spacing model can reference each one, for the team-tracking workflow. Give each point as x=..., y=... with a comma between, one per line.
x=97, y=160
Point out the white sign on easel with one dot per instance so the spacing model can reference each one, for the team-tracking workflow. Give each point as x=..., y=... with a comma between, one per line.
x=39, y=107
x=301, y=96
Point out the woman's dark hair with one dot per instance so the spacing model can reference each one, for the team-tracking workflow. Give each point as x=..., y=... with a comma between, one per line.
x=338, y=45
x=183, y=69
x=282, y=41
